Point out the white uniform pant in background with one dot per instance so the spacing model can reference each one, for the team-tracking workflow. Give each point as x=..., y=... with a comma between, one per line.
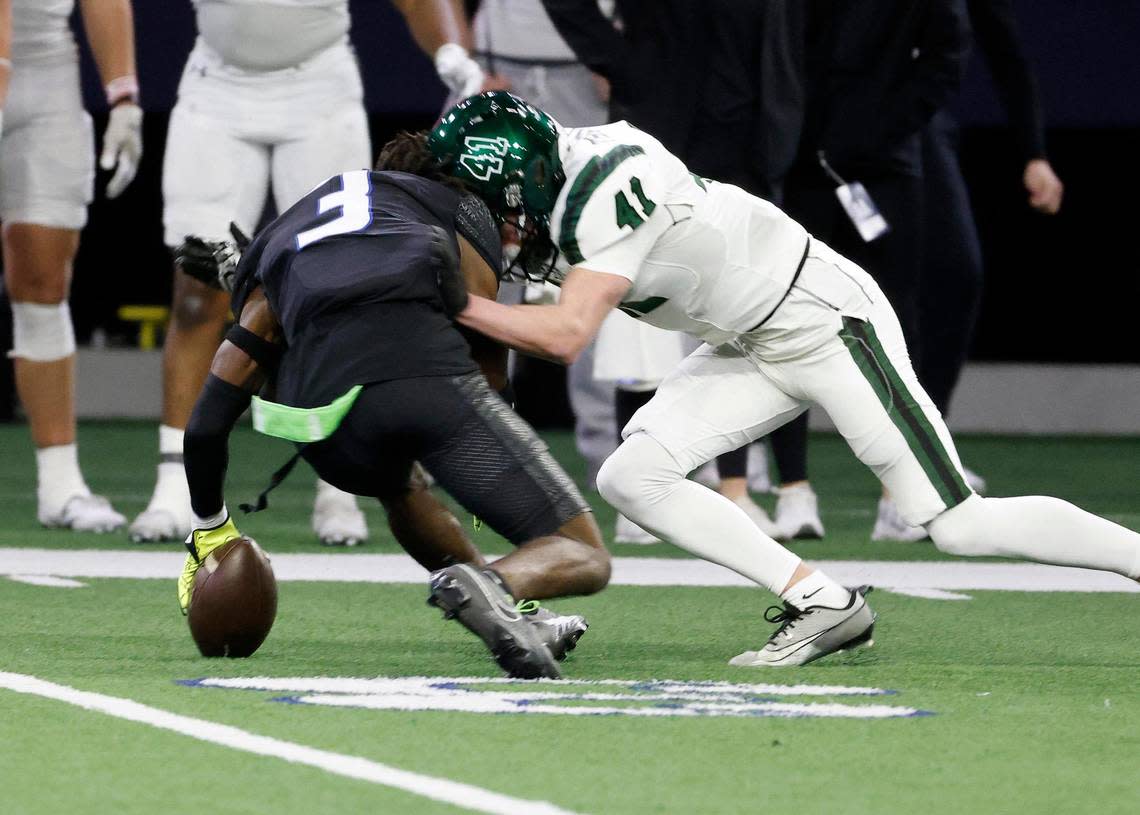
x=47, y=152
x=234, y=132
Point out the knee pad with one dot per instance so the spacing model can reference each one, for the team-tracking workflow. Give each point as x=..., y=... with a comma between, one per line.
x=961, y=530
x=640, y=470
x=42, y=333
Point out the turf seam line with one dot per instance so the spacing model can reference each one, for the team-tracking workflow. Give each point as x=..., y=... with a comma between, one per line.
x=457, y=793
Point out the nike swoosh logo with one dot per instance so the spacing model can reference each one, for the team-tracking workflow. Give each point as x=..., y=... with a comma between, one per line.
x=813, y=594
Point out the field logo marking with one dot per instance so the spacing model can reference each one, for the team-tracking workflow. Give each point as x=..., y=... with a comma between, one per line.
x=595, y=697
x=437, y=788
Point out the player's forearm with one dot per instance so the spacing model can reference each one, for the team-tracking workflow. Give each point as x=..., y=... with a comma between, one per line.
x=554, y=332
x=206, y=443
x=110, y=29
x=434, y=23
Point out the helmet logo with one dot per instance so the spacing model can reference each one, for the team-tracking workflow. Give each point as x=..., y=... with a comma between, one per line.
x=483, y=156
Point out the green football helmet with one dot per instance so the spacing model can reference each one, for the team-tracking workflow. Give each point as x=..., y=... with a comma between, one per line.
x=506, y=152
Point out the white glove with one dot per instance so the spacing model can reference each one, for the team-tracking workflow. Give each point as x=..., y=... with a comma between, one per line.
x=122, y=146
x=461, y=74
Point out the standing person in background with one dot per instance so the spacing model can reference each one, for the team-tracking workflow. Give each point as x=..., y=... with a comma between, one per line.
x=47, y=169
x=721, y=84
x=877, y=71
x=5, y=54
x=953, y=272
x=271, y=95
x=521, y=51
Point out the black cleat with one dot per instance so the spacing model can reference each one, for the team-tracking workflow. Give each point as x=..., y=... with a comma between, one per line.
x=481, y=606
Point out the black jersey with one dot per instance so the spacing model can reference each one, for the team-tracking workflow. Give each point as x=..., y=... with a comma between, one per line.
x=350, y=272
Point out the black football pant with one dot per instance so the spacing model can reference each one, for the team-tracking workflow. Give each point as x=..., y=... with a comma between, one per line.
x=475, y=446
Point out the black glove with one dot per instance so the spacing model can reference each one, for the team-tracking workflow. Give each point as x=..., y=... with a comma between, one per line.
x=212, y=262
x=452, y=286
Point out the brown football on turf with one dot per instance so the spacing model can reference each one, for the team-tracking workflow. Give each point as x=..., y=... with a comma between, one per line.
x=234, y=601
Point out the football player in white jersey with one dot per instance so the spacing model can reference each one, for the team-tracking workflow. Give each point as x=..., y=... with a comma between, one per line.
x=46, y=181
x=271, y=97
x=787, y=322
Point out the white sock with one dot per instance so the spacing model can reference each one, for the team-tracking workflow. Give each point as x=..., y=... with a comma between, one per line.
x=817, y=589
x=58, y=478
x=171, y=492
x=646, y=485
x=1035, y=527
x=327, y=493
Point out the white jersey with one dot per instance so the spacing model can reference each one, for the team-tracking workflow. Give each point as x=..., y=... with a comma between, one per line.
x=40, y=31
x=705, y=258
x=268, y=35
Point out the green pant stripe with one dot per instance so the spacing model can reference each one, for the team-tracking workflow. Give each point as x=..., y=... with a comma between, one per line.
x=869, y=367
x=905, y=412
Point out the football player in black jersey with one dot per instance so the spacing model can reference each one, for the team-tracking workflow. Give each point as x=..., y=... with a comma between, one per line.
x=344, y=344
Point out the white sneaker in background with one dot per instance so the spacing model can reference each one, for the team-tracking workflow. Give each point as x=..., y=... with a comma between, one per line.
x=167, y=516
x=626, y=531
x=890, y=526
x=337, y=519
x=83, y=512
x=757, y=515
x=157, y=523
x=974, y=481
x=759, y=481
x=797, y=513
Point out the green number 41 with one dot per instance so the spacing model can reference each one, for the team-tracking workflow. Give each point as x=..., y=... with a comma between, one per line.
x=627, y=214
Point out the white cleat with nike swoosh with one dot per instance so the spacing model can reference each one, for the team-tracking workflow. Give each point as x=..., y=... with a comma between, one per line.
x=807, y=634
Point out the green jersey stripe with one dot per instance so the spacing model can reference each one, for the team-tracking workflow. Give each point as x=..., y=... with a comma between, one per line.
x=596, y=171
x=907, y=415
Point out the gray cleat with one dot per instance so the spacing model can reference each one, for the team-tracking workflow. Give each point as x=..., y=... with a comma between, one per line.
x=560, y=632
x=808, y=634
x=485, y=609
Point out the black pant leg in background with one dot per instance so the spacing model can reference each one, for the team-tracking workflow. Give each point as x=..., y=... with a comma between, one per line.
x=894, y=259
x=952, y=275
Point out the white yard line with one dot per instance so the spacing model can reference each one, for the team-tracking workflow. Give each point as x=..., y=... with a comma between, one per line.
x=951, y=576
x=465, y=796
x=932, y=594
x=47, y=580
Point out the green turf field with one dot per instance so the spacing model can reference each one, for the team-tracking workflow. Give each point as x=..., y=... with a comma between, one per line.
x=1033, y=696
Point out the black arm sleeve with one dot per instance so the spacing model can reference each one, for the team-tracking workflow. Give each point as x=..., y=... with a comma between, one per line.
x=996, y=32
x=591, y=37
x=206, y=443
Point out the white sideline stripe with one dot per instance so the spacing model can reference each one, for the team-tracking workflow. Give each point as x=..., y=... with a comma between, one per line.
x=465, y=796
x=627, y=571
x=931, y=594
x=47, y=580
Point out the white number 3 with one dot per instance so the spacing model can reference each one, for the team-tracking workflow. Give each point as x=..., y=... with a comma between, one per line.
x=354, y=203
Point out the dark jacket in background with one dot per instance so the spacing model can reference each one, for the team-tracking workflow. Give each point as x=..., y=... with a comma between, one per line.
x=655, y=65
x=995, y=30
x=719, y=82
x=751, y=110
x=877, y=71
